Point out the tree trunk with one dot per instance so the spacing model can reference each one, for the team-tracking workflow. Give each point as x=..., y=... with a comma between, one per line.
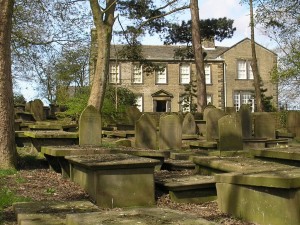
x=7, y=135
x=256, y=76
x=104, y=21
x=199, y=60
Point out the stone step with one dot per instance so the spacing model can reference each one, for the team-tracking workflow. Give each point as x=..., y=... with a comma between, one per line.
x=50, y=212
x=174, y=165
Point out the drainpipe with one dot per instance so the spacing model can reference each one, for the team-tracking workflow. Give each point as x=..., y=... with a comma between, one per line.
x=225, y=87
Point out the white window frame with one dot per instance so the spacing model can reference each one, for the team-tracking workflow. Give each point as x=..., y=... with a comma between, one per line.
x=243, y=97
x=207, y=70
x=185, y=73
x=114, y=73
x=244, y=70
x=161, y=75
x=137, y=74
x=209, y=99
x=140, y=102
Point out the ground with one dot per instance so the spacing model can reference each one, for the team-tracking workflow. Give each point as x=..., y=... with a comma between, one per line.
x=44, y=184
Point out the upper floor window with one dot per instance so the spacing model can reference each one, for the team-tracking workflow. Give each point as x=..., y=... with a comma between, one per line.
x=244, y=69
x=207, y=69
x=137, y=74
x=161, y=75
x=185, y=74
x=114, y=73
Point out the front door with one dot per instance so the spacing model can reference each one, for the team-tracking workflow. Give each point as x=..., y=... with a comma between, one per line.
x=161, y=106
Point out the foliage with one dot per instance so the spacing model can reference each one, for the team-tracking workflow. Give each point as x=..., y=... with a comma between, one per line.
x=188, y=99
x=267, y=101
x=19, y=99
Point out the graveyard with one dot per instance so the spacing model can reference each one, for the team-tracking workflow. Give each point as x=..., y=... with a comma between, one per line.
x=164, y=168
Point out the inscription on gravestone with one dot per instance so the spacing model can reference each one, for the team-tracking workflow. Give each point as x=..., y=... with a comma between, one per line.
x=212, y=129
x=264, y=126
x=146, y=132
x=90, y=132
x=170, y=132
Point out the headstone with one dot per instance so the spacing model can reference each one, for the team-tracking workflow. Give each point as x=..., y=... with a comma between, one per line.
x=189, y=125
x=133, y=114
x=206, y=110
x=293, y=123
x=264, y=126
x=170, y=132
x=36, y=107
x=146, y=132
x=90, y=132
x=212, y=129
x=246, y=121
x=230, y=133
x=230, y=110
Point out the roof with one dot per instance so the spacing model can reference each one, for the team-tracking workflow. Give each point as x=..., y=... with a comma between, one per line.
x=166, y=52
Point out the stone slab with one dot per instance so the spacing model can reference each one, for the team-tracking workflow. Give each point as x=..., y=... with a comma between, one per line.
x=51, y=134
x=178, y=165
x=288, y=153
x=142, y=216
x=50, y=212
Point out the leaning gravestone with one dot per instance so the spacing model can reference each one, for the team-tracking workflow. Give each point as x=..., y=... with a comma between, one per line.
x=189, y=125
x=146, y=132
x=90, y=132
x=264, y=126
x=133, y=114
x=212, y=128
x=36, y=107
x=230, y=133
x=170, y=132
x=246, y=121
x=293, y=122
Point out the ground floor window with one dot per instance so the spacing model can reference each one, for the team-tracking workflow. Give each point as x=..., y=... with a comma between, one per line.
x=243, y=97
x=139, y=102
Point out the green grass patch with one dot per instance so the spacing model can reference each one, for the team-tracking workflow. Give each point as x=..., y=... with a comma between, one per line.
x=8, y=197
x=7, y=172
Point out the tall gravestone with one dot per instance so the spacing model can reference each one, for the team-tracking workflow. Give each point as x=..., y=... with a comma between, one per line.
x=90, y=130
x=189, y=125
x=170, y=132
x=36, y=107
x=264, y=126
x=146, y=132
x=212, y=128
x=246, y=121
x=293, y=122
x=230, y=133
x=133, y=114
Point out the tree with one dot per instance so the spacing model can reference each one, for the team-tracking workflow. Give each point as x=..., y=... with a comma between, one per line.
x=7, y=140
x=145, y=14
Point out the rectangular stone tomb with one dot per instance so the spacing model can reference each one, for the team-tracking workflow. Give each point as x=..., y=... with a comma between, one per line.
x=289, y=155
x=46, y=138
x=142, y=216
x=213, y=165
x=268, y=197
x=189, y=189
x=55, y=155
x=115, y=180
x=50, y=212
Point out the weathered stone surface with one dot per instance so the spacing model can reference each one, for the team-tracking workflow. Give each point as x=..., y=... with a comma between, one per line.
x=293, y=122
x=288, y=153
x=189, y=125
x=133, y=114
x=261, y=197
x=246, y=121
x=36, y=107
x=143, y=216
x=264, y=126
x=50, y=212
x=146, y=132
x=170, y=132
x=131, y=178
x=230, y=133
x=212, y=118
x=90, y=127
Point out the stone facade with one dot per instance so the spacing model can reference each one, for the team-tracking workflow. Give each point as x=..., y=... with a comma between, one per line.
x=221, y=64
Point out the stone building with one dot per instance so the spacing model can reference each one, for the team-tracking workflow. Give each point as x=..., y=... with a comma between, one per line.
x=228, y=74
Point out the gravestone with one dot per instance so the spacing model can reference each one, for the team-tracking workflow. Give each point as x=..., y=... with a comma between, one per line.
x=90, y=132
x=293, y=123
x=230, y=110
x=36, y=107
x=246, y=121
x=189, y=125
x=170, y=132
x=133, y=114
x=212, y=128
x=230, y=133
x=264, y=126
x=146, y=132
x=207, y=109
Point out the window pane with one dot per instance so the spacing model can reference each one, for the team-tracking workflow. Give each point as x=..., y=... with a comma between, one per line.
x=139, y=102
x=237, y=102
x=114, y=75
x=242, y=70
x=185, y=103
x=250, y=73
x=137, y=74
x=161, y=76
x=185, y=74
x=207, y=74
x=209, y=99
